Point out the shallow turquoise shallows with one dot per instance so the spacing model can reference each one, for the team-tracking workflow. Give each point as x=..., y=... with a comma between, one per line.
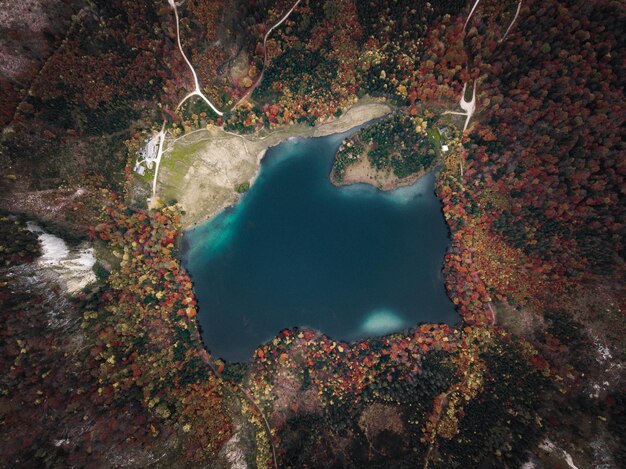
x=351, y=262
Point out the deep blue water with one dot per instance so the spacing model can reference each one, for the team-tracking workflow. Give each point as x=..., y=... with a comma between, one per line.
x=297, y=251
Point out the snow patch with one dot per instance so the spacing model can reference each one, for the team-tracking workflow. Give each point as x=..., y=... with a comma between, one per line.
x=54, y=250
x=604, y=354
x=61, y=442
x=611, y=370
x=71, y=267
x=234, y=452
x=550, y=447
x=601, y=454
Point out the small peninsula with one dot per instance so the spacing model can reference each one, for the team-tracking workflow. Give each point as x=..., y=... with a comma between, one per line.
x=394, y=151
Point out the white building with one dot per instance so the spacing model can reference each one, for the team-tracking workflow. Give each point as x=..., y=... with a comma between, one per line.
x=147, y=154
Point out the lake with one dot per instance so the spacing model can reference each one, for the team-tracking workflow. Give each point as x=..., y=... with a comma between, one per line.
x=351, y=261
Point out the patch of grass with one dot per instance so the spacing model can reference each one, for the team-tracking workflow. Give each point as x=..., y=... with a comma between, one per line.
x=174, y=166
x=104, y=255
x=243, y=187
x=146, y=177
x=435, y=136
x=100, y=271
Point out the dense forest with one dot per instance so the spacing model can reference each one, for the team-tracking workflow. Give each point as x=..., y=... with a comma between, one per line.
x=532, y=192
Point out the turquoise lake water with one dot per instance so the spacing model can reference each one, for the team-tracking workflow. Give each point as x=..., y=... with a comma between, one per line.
x=352, y=262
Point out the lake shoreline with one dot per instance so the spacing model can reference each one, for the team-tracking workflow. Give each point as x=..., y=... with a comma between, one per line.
x=283, y=238
x=206, y=186
x=364, y=176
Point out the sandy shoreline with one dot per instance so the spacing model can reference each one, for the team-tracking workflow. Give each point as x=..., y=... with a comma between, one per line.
x=201, y=169
x=362, y=171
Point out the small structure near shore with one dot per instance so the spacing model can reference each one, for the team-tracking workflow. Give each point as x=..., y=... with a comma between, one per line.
x=147, y=155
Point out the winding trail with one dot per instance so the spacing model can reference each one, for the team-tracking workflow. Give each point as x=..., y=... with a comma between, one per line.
x=250, y=399
x=433, y=437
x=258, y=81
x=268, y=429
x=519, y=7
x=470, y=15
x=468, y=106
x=197, y=91
x=493, y=312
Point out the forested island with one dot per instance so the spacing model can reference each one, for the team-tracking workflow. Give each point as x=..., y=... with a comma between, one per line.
x=126, y=122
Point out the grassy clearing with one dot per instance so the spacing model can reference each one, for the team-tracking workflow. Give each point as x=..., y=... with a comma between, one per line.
x=174, y=167
x=435, y=136
x=145, y=179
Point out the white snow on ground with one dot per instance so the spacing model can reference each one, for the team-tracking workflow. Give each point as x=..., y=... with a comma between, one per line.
x=71, y=267
x=601, y=454
x=234, y=453
x=611, y=370
x=604, y=354
x=54, y=250
x=550, y=447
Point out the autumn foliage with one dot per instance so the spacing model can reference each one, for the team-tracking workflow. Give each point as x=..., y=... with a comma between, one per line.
x=145, y=334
